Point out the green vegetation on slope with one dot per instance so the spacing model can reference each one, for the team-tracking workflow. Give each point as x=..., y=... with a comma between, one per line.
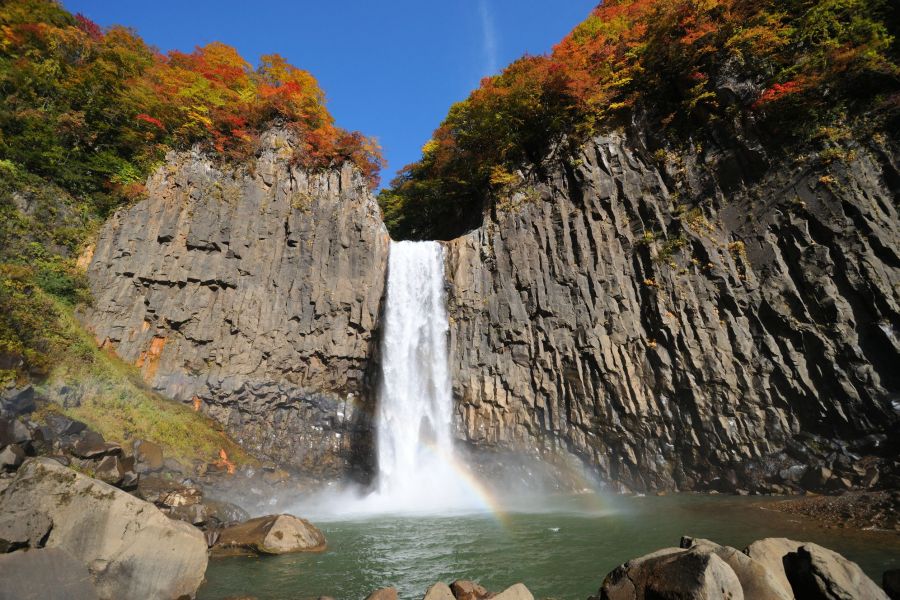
x=679, y=66
x=86, y=115
x=111, y=398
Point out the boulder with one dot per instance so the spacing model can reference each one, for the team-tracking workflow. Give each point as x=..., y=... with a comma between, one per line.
x=111, y=469
x=59, y=426
x=166, y=492
x=16, y=402
x=225, y=513
x=816, y=478
x=130, y=548
x=673, y=573
x=514, y=592
x=92, y=445
x=817, y=573
x=770, y=552
x=272, y=534
x=388, y=593
x=13, y=431
x=23, y=529
x=439, y=591
x=464, y=589
x=195, y=514
x=11, y=457
x=47, y=574
x=757, y=582
x=890, y=581
x=148, y=456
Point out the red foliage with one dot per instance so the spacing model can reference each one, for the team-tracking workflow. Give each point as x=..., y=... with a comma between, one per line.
x=89, y=27
x=779, y=91
x=148, y=119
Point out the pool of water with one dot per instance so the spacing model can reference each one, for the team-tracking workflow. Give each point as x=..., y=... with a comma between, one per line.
x=562, y=551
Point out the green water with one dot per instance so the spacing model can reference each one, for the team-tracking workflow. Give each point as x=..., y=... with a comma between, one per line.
x=569, y=564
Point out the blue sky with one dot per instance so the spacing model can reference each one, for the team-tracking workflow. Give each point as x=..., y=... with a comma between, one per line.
x=390, y=69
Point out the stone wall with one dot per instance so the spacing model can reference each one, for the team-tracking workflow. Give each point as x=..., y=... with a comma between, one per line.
x=253, y=293
x=716, y=319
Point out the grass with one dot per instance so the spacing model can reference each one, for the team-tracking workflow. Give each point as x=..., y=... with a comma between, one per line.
x=116, y=403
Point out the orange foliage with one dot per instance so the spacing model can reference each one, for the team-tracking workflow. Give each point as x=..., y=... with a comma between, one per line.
x=224, y=463
x=145, y=102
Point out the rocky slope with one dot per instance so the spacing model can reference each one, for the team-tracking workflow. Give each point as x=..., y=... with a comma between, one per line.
x=710, y=319
x=252, y=292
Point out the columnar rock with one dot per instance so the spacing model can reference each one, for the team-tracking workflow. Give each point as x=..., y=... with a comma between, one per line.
x=686, y=320
x=252, y=292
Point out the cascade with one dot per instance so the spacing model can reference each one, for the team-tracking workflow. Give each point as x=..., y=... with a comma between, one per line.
x=417, y=467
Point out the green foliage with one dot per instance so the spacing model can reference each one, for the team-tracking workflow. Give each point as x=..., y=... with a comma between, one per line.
x=812, y=62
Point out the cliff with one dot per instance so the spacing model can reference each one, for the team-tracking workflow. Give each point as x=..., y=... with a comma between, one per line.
x=713, y=319
x=252, y=292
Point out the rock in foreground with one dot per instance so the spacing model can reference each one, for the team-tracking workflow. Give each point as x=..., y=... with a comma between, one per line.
x=273, y=534
x=45, y=574
x=770, y=569
x=130, y=548
x=818, y=573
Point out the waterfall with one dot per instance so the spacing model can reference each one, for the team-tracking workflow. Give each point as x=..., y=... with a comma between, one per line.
x=417, y=471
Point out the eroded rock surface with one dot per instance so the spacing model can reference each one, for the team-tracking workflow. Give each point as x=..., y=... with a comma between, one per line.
x=688, y=321
x=129, y=547
x=253, y=293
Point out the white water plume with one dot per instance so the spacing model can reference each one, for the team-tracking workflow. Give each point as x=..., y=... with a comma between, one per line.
x=418, y=472
x=415, y=444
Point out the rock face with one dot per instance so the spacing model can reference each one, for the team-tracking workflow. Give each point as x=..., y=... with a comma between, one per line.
x=688, y=321
x=254, y=293
x=47, y=574
x=129, y=547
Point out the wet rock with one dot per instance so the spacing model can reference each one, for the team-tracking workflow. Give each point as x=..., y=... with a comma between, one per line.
x=173, y=277
x=148, y=456
x=11, y=457
x=464, y=589
x=46, y=574
x=673, y=573
x=388, y=593
x=273, y=534
x=439, y=591
x=23, y=529
x=514, y=592
x=130, y=548
x=817, y=573
x=891, y=583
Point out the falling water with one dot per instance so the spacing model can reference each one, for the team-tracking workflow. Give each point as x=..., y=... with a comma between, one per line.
x=417, y=471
